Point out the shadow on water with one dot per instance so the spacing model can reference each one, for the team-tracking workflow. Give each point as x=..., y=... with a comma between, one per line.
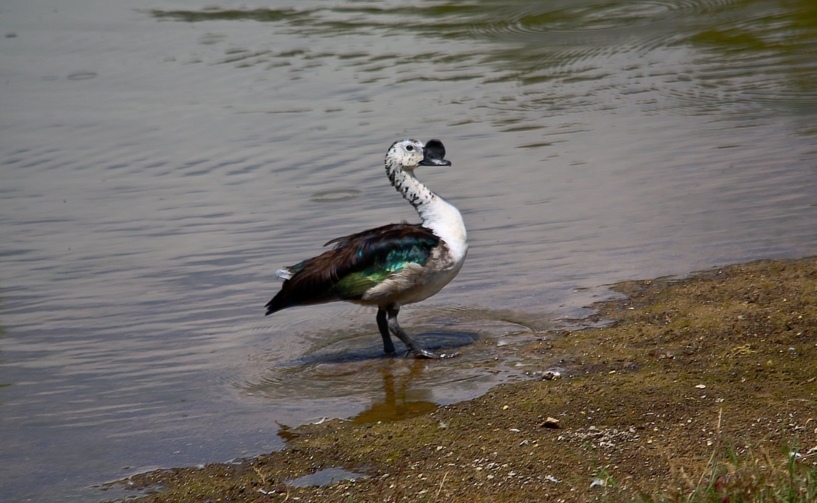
x=362, y=349
x=396, y=387
x=354, y=367
x=352, y=363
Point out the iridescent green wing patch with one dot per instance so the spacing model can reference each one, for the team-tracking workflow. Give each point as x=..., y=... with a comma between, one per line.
x=383, y=254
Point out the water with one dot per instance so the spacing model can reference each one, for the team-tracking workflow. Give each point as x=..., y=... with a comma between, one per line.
x=158, y=163
x=325, y=477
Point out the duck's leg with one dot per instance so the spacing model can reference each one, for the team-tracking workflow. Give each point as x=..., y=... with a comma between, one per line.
x=392, y=310
x=383, y=326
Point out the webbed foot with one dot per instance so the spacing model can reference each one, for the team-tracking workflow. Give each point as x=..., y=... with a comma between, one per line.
x=424, y=353
x=387, y=321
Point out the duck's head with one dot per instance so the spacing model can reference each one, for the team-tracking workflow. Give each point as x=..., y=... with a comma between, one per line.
x=412, y=153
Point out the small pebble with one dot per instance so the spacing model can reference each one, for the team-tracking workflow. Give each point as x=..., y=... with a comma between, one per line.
x=551, y=375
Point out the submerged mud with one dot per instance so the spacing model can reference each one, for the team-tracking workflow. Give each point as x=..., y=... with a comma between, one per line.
x=701, y=384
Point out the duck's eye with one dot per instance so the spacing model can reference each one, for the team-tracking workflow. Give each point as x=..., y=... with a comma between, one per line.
x=410, y=148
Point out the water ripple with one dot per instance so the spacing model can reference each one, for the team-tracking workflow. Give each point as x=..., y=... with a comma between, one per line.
x=146, y=210
x=593, y=16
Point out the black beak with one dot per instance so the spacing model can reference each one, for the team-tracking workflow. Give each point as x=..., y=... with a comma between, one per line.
x=434, y=154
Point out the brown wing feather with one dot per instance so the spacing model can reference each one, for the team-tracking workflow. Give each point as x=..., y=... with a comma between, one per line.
x=313, y=279
x=344, y=241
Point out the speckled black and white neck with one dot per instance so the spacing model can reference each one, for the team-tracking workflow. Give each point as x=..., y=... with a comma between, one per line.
x=438, y=215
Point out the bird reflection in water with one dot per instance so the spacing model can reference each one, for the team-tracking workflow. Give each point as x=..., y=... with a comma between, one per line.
x=399, y=401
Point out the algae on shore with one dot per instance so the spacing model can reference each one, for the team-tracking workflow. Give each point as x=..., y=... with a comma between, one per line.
x=702, y=384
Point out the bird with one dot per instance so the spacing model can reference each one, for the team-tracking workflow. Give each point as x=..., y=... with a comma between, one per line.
x=392, y=265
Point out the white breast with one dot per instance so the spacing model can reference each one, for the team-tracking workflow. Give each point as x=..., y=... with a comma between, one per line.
x=445, y=221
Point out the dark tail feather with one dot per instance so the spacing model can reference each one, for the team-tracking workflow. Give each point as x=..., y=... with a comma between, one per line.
x=275, y=305
x=298, y=294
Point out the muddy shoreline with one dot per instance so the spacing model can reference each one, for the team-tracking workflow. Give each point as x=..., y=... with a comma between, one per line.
x=706, y=385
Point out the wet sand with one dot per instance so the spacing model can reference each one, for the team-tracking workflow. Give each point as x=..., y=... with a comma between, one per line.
x=705, y=384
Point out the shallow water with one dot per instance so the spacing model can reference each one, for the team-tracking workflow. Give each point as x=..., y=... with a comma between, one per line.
x=158, y=163
x=325, y=477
